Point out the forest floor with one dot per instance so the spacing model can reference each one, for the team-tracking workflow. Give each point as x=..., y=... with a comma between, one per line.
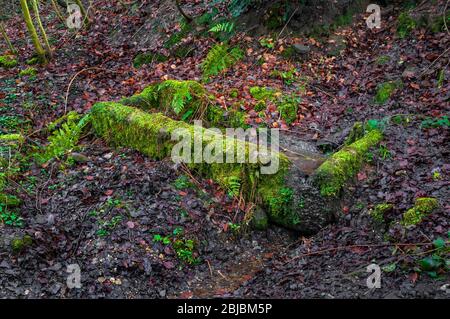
x=118, y=214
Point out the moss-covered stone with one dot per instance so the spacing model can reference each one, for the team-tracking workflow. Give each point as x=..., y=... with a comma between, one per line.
x=332, y=175
x=259, y=219
x=385, y=91
x=7, y=61
x=18, y=244
x=423, y=206
x=150, y=133
x=378, y=212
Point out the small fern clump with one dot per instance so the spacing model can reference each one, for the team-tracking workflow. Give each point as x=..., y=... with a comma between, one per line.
x=234, y=186
x=226, y=26
x=63, y=139
x=220, y=58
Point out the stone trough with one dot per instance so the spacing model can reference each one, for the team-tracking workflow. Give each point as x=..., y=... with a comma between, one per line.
x=303, y=194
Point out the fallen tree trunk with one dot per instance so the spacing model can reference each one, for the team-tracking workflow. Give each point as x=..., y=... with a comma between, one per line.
x=292, y=197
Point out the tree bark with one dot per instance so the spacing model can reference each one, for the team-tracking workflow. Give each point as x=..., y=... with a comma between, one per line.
x=32, y=30
x=57, y=11
x=41, y=26
x=5, y=36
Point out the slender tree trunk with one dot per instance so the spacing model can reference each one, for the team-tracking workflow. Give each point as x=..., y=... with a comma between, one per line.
x=5, y=36
x=83, y=11
x=41, y=26
x=32, y=30
x=188, y=18
x=57, y=11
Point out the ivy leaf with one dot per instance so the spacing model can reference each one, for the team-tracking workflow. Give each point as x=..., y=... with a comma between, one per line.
x=439, y=243
x=430, y=263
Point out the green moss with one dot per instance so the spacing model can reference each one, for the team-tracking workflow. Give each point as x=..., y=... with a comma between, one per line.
x=28, y=72
x=18, y=244
x=383, y=59
x=405, y=24
x=262, y=93
x=289, y=53
x=150, y=134
x=332, y=175
x=72, y=116
x=423, y=206
x=186, y=101
x=355, y=134
x=379, y=211
x=234, y=93
x=147, y=58
x=176, y=37
x=260, y=106
x=8, y=61
x=280, y=202
x=33, y=61
x=438, y=25
x=385, y=91
x=11, y=138
x=9, y=200
x=288, y=108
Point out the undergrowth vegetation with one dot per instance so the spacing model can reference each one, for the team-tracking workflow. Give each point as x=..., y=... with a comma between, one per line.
x=219, y=59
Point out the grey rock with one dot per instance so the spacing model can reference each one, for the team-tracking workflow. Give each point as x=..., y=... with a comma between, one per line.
x=301, y=49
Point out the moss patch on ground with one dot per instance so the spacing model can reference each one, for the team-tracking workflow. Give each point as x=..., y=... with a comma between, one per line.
x=332, y=175
x=423, y=206
x=8, y=61
x=378, y=212
x=385, y=91
x=28, y=72
x=405, y=24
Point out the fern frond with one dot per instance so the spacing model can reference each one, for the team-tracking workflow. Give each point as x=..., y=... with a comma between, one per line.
x=64, y=139
x=234, y=186
x=223, y=27
x=220, y=58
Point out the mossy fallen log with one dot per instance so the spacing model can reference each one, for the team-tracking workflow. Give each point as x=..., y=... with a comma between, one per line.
x=287, y=195
x=332, y=175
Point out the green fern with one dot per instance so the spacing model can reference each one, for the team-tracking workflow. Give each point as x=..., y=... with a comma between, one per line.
x=227, y=27
x=234, y=186
x=63, y=139
x=181, y=94
x=220, y=58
